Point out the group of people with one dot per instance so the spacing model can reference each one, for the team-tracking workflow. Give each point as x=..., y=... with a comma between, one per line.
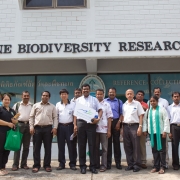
x=133, y=120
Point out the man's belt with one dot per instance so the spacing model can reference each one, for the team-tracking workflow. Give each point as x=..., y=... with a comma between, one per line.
x=175, y=124
x=130, y=124
x=43, y=126
x=66, y=124
x=25, y=122
x=116, y=119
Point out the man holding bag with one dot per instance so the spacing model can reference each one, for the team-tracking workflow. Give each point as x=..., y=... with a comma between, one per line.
x=24, y=108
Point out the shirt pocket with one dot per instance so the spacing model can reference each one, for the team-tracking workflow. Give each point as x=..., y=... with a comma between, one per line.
x=133, y=110
x=49, y=113
x=70, y=112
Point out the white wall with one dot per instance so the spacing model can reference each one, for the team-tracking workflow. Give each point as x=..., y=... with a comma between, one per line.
x=103, y=21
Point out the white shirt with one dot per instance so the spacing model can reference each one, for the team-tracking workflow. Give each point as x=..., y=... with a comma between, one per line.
x=174, y=113
x=162, y=103
x=89, y=101
x=132, y=111
x=65, y=112
x=24, y=111
x=163, y=118
x=73, y=100
x=102, y=126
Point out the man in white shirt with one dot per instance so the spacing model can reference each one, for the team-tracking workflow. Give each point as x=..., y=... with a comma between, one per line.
x=77, y=94
x=132, y=129
x=24, y=108
x=65, y=110
x=87, y=131
x=162, y=103
x=103, y=131
x=174, y=114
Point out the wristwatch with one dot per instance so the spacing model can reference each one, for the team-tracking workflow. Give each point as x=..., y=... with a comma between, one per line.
x=140, y=125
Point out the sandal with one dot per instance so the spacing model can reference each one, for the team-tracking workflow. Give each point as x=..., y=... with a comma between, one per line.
x=35, y=170
x=161, y=171
x=2, y=173
x=154, y=170
x=48, y=169
x=14, y=168
x=5, y=171
x=25, y=167
x=102, y=169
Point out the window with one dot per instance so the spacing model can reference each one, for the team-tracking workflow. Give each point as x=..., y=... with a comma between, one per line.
x=38, y=3
x=69, y=3
x=32, y=4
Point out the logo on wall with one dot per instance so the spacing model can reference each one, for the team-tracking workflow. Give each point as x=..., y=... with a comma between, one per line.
x=95, y=83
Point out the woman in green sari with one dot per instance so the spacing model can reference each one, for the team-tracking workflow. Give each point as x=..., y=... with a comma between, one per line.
x=156, y=123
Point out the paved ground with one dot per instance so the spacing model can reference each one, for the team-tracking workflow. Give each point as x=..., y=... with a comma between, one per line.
x=68, y=174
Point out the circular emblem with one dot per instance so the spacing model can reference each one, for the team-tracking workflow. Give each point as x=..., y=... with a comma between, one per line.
x=95, y=83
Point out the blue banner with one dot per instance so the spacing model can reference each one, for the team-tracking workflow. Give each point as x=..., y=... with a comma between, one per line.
x=122, y=82
x=168, y=84
x=55, y=83
x=15, y=85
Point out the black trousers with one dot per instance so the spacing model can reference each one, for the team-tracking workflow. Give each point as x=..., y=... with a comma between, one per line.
x=24, y=129
x=175, y=131
x=132, y=145
x=3, y=153
x=116, y=144
x=42, y=135
x=63, y=135
x=86, y=132
x=159, y=156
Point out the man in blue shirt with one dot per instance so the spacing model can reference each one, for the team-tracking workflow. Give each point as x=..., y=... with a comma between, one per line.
x=116, y=107
x=1, y=100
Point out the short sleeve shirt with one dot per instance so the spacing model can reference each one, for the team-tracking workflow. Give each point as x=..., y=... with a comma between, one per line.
x=65, y=112
x=90, y=102
x=102, y=126
x=132, y=111
x=6, y=115
x=174, y=113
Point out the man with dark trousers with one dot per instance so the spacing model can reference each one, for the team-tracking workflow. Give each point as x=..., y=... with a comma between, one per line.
x=24, y=108
x=43, y=126
x=65, y=110
x=116, y=107
x=132, y=129
x=87, y=131
x=174, y=114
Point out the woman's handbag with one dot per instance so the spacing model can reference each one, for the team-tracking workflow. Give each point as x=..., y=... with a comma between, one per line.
x=13, y=139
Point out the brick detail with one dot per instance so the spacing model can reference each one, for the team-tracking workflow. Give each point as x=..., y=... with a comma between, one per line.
x=54, y=24
x=7, y=19
x=137, y=18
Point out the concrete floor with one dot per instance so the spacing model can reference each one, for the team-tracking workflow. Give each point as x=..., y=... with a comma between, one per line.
x=68, y=174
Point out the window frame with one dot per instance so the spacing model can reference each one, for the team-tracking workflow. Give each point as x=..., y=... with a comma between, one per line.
x=70, y=7
x=55, y=6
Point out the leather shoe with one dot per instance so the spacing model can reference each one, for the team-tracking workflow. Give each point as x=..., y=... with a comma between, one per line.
x=136, y=169
x=108, y=166
x=129, y=168
x=94, y=171
x=118, y=166
x=143, y=166
x=60, y=168
x=83, y=171
x=73, y=168
x=176, y=168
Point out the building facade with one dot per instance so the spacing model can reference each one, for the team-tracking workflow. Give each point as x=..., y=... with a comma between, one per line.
x=54, y=44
